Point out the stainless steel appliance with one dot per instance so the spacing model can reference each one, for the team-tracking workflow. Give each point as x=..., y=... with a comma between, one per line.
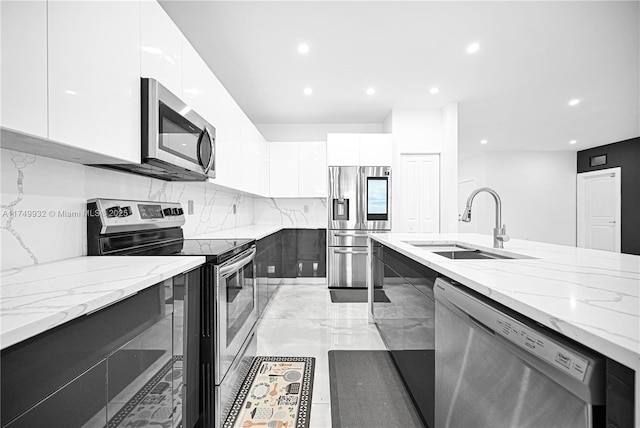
x=359, y=202
x=496, y=368
x=177, y=143
x=227, y=307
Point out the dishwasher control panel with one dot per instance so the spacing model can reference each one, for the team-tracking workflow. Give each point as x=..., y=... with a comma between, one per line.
x=543, y=347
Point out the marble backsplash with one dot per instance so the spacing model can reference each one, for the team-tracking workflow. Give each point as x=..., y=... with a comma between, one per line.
x=301, y=212
x=43, y=202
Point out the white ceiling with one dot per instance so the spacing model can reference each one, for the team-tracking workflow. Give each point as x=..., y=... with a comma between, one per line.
x=534, y=58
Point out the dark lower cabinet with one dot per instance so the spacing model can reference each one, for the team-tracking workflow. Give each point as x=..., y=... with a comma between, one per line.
x=288, y=253
x=311, y=254
x=407, y=322
x=82, y=373
x=268, y=265
x=304, y=253
x=72, y=405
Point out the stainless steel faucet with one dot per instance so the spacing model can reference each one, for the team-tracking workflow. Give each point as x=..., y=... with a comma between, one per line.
x=500, y=231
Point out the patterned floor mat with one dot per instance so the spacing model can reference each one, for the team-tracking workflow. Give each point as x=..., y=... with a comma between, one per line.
x=156, y=403
x=276, y=393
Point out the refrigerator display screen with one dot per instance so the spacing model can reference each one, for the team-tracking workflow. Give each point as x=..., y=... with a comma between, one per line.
x=377, y=198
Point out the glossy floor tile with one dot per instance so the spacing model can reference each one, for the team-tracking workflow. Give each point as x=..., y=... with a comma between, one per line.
x=301, y=321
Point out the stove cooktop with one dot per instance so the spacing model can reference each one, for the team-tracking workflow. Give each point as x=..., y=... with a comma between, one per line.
x=215, y=250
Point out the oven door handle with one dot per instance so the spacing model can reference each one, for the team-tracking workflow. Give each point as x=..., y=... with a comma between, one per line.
x=235, y=266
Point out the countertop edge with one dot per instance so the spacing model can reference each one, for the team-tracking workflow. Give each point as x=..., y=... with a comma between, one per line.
x=129, y=286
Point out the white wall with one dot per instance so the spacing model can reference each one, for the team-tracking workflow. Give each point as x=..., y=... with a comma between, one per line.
x=449, y=170
x=48, y=197
x=313, y=131
x=427, y=131
x=538, y=192
x=418, y=130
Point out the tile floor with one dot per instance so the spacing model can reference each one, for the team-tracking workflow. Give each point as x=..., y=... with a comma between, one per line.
x=300, y=320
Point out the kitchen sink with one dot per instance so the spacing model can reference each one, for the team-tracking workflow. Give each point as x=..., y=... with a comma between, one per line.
x=470, y=255
x=455, y=251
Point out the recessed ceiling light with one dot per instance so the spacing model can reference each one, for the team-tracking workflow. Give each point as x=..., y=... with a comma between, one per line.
x=574, y=102
x=473, y=48
x=371, y=91
x=434, y=90
x=303, y=48
x=308, y=91
x=572, y=142
x=483, y=142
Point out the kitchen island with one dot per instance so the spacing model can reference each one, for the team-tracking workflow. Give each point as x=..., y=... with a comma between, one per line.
x=589, y=296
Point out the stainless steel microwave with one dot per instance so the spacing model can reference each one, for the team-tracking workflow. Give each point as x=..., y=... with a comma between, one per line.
x=177, y=143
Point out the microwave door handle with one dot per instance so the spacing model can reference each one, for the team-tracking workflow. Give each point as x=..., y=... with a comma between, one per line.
x=213, y=148
x=199, y=145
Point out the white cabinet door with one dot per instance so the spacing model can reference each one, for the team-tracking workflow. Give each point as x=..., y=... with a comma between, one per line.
x=376, y=149
x=343, y=149
x=24, y=66
x=419, y=194
x=160, y=47
x=198, y=83
x=283, y=170
x=312, y=169
x=94, y=76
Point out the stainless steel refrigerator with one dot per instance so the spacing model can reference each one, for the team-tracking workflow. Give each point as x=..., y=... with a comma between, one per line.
x=359, y=202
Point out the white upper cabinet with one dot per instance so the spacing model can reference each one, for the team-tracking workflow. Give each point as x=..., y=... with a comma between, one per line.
x=297, y=170
x=283, y=170
x=255, y=171
x=160, y=47
x=343, y=149
x=94, y=76
x=24, y=66
x=312, y=169
x=376, y=149
x=359, y=149
x=198, y=83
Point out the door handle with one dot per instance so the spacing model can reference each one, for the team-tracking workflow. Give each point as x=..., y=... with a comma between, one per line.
x=209, y=165
x=235, y=266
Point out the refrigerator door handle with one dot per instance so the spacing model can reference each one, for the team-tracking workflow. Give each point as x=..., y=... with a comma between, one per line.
x=361, y=202
x=350, y=251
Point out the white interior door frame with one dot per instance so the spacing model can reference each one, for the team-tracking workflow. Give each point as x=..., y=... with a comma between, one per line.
x=583, y=207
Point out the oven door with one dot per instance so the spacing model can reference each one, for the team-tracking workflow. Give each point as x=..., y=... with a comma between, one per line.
x=174, y=134
x=236, y=309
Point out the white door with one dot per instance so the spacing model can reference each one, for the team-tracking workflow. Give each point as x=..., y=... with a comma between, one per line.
x=419, y=193
x=465, y=187
x=599, y=209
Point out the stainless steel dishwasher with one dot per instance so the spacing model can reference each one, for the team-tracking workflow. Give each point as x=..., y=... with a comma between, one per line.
x=496, y=368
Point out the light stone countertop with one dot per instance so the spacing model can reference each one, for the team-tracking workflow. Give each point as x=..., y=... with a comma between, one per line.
x=37, y=298
x=255, y=231
x=590, y=296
